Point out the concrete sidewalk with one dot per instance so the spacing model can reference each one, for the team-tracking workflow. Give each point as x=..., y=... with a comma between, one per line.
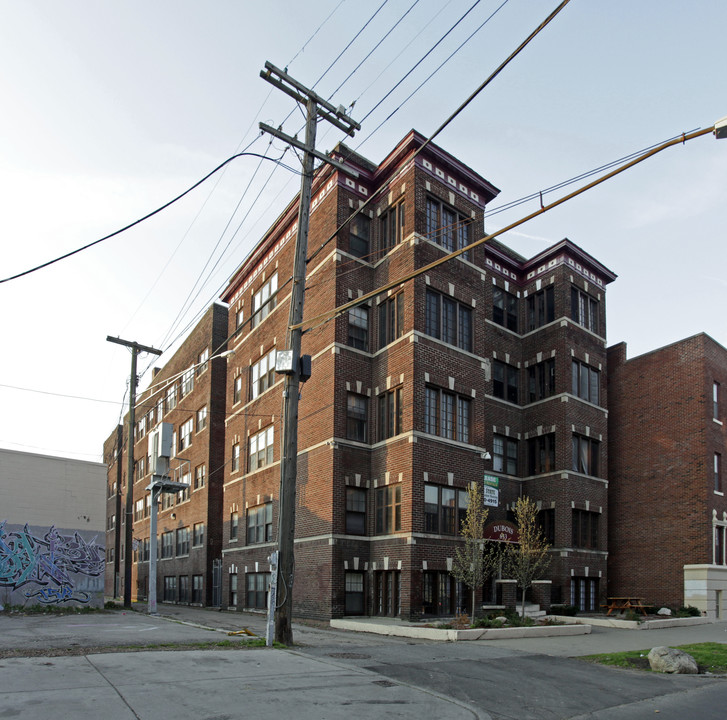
x=194, y=685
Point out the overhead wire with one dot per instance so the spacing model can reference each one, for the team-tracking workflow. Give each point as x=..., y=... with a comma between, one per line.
x=135, y=222
x=431, y=75
x=330, y=314
x=449, y=119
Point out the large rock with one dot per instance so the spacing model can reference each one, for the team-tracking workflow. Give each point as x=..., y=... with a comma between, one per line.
x=671, y=660
x=664, y=611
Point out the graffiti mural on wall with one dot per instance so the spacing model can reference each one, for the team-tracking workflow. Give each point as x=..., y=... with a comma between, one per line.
x=48, y=563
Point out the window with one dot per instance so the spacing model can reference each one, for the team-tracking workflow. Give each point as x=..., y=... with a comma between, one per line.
x=504, y=309
x=239, y=318
x=505, y=381
x=446, y=414
x=504, y=455
x=444, y=509
x=585, y=529
x=262, y=375
x=183, y=495
x=719, y=537
x=390, y=413
x=139, y=510
x=585, y=455
x=354, y=598
x=391, y=319
x=197, y=586
x=387, y=592
x=260, y=524
x=200, y=475
x=167, y=544
x=171, y=397
x=356, y=412
x=170, y=588
x=585, y=382
x=203, y=361
x=110, y=522
x=261, y=449
x=198, y=534
x=188, y=381
x=257, y=590
x=141, y=428
x=184, y=588
x=541, y=380
x=234, y=523
x=541, y=308
x=264, y=300
x=167, y=500
x=182, y=541
x=201, y=418
x=140, y=471
x=185, y=434
x=717, y=472
x=358, y=327
x=235, y=463
x=233, y=589
x=541, y=454
x=392, y=227
x=237, y=390
x=715, y=400
x=448, y=320
x=584, y=593
x=446, y=227
x=584, y=309
x=355, y=511
x=359, y=236
x=388, y=509
x=546, y=522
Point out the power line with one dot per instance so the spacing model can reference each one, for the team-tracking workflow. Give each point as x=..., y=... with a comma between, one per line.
x=330, y=314
x=431, y=75
x=481, y=87
x=140, y=220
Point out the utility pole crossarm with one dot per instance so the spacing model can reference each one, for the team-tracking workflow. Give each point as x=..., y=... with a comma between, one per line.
x=335, y=115
x=302, y=146
x=131, y=344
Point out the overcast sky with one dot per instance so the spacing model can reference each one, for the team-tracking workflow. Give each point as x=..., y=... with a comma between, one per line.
x=112, y=109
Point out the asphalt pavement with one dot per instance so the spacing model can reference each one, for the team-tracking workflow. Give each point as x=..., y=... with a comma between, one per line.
x=328, y=674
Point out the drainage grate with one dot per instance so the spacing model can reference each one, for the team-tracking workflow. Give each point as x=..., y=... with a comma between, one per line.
x=350, y=656
x=385, y=683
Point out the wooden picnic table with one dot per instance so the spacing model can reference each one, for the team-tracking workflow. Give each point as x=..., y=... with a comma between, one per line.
x=622, y=604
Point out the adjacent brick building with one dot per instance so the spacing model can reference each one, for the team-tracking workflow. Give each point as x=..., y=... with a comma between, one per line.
x=667, y=442
x=189, y=393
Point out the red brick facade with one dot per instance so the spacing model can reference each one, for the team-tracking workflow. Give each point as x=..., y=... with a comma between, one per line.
x=489, y=352
x=666, y=504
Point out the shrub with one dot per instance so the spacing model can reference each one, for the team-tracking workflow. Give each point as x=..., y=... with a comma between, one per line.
x=688, y=611
x=569, y=610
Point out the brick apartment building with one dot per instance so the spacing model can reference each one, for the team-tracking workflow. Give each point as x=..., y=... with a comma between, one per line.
x=189, y=392
x=667, y=442
x=488, y=352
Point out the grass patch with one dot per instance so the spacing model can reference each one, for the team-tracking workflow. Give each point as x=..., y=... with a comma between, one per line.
x=711, y=657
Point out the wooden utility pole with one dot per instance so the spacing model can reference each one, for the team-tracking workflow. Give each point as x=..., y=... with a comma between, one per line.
x=316, y=107
x=129, y=515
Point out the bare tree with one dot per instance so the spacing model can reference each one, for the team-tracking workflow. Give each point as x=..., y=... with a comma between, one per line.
x=474, y=562
x=528, y=560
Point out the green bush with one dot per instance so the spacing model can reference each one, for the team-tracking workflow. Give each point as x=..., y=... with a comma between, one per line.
x=569, y=610
x=688, y=611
